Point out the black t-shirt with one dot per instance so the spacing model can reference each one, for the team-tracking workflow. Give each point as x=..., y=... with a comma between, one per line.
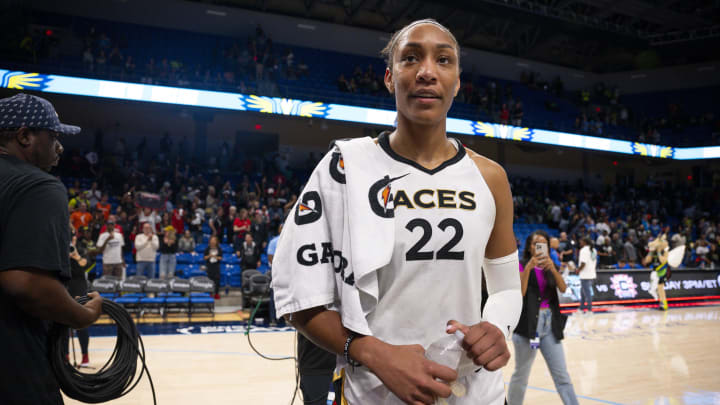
x=259, y=231
x=213, y=262
x=313, y=360
x=168, y=249
x=34, y=233
x=227, y=226
x=249, y=254
x=563, y=246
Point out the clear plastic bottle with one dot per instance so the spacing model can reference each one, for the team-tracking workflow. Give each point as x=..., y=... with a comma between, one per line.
x=449, y=352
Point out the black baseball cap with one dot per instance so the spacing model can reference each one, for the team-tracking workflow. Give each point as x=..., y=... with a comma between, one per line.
x=26, y=110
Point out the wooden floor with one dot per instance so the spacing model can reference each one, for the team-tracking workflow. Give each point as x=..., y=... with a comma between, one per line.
x=629, y=357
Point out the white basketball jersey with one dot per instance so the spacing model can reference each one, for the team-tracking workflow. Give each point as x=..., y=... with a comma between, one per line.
x=443, y=220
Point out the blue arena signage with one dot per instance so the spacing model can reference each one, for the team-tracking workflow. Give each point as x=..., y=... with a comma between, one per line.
x=301, y=108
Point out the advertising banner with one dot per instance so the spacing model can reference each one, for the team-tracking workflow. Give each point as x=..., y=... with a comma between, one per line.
x=635, y=285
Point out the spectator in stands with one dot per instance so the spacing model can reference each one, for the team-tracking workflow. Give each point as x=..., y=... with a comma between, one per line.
x=353, y=85
x=146, y=247
x=187, y=244
x=701, y=253
x=216, y=223
x=554, y=255
x=606, y=255
x=81, y=217
x=565, y=248
x=150, y=216
x=96, y=225
x=241, y=225
x=168, y=249
x=541, y=324
x=211, y=201
x=229, y=220
x=617, y=246
x=178, y=220
x=555, y=214
x=678, y=239
x=129, y=67
x=259, y=230
x=586, y=269
x=213, y=258
x=630, y=253
x=113, y=219
x=303, y=70
x=504, y=115
x=78, y=286
x=104, y=206
x=517, y=114
x=165, y=224
x=110, y=244
x=343, y=84
x=714, y=256
x=622, y=265
x=248, y=252
x=196, y=221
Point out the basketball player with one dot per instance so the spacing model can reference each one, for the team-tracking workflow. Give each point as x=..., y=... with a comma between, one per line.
x=34, y=250
x=453, y=215
x=657, y=258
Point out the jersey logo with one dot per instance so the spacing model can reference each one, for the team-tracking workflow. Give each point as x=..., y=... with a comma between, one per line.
x=381, y=197
x=337, y=168
x=308, y=209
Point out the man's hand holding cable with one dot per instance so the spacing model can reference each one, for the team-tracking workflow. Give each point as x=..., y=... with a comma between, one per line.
x=93, y=307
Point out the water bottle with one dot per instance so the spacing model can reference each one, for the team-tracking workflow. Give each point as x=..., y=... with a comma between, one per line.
x=449, y=352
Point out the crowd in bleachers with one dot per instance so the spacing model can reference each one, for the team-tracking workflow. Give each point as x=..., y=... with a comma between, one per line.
x=160, y=218
x=622, y=220
x=678, y=118
x=258, y=65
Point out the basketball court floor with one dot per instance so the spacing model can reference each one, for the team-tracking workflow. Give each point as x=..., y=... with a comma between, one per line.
x=629, y=357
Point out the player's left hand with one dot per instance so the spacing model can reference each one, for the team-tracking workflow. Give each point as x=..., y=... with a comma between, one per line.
x=485, y=344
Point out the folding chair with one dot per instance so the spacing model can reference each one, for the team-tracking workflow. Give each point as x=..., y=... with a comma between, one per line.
x=200, y=289
x=156, y=288
x=245, y=286
x=178, y=300
x=106, y=286
x=131, y=291
x=259, y=291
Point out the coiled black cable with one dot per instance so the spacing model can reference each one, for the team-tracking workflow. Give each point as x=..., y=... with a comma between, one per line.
x=117, y=377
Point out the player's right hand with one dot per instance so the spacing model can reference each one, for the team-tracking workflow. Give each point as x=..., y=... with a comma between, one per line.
x=411, y=376
x=94, y=306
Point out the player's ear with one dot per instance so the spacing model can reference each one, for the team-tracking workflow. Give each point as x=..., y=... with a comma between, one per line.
x=389, y=84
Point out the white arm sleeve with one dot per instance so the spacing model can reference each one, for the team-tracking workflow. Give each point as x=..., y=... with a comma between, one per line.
x=505, y=300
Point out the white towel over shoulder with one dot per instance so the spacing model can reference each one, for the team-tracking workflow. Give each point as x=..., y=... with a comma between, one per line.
x=332, y=244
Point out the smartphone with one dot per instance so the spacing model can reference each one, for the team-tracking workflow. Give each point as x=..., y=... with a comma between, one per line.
x=541, y=249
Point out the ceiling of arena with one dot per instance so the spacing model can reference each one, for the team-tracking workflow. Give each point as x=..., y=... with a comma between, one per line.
x=594, y=35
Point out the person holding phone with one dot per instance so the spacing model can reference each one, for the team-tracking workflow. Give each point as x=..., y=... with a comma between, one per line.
x=586, y=270
x=78, y=286
x=541, y=324
x=110, y=243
